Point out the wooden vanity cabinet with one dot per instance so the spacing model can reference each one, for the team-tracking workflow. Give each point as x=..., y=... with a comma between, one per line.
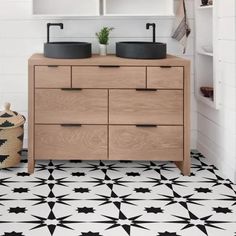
x=109, y=108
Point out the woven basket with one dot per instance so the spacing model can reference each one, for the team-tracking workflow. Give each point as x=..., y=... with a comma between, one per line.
x=11, y=137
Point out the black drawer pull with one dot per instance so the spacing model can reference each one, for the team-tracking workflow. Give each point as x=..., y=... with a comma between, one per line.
x=146, y=126
x=52, y=66
x=71, y=89
x=71, y=125
x=146, y=89
x=166, y=66
x=109, y=66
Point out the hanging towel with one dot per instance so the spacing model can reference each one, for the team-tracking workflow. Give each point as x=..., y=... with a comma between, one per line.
x=181, y=29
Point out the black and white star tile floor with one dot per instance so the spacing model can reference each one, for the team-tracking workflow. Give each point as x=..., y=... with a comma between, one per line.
x=108, y=198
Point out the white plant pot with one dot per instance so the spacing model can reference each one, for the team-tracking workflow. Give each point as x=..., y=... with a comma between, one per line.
x=103, y=49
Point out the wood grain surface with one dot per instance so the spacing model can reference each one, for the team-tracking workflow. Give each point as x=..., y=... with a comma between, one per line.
x=108, y=77
x=57, y=142
x=155, y=107
x=133, y=143
x=165, y=77
x=52, y=77
x=55, y=106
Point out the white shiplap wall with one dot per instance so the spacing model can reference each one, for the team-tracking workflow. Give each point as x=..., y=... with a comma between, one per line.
x=217, y=129
x=22, y=35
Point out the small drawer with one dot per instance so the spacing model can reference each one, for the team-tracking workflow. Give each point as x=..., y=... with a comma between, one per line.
x=71, y=142
x=108, y=77
x=163, y=107
x=165, y=77
x=52, y=76
x=146, y=143
x=56, y=106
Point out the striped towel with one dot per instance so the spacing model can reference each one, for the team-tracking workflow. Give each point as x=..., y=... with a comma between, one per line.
x=181, y=29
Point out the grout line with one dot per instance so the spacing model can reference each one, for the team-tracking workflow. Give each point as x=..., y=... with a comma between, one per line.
x=71, y=70
x=146, y=77
x=108, y=123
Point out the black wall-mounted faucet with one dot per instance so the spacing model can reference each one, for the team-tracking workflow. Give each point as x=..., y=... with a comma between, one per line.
x=48, y=29
x=153, y=25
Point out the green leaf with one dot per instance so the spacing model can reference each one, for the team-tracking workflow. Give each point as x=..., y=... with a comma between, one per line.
x=103, y=35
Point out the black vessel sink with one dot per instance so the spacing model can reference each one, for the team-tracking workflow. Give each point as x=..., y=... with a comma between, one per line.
x=141, y=50
x=68, y=50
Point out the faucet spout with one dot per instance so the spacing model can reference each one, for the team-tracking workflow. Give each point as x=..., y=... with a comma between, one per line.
x=153, y=25
x=48, y=29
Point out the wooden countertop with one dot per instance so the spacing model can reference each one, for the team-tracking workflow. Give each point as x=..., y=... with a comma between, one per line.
x=39, y=59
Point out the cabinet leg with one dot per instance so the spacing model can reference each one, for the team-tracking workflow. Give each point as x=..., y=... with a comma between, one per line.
x=184, y=166
x=31, y=165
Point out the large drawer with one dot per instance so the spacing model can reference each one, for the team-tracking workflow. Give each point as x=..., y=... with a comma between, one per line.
x=165, y=77
x=140, y=107
x=108, y=77
x=56, y=106
x=71, y=142
x=138, y=143
x=52, y=76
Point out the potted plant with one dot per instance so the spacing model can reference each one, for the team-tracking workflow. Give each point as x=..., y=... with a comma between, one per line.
x=103, y=38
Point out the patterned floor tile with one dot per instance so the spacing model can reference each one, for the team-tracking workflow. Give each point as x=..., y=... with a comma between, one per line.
x=123, y=198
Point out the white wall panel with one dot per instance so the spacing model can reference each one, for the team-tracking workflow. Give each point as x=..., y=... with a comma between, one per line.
x=227, y=8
